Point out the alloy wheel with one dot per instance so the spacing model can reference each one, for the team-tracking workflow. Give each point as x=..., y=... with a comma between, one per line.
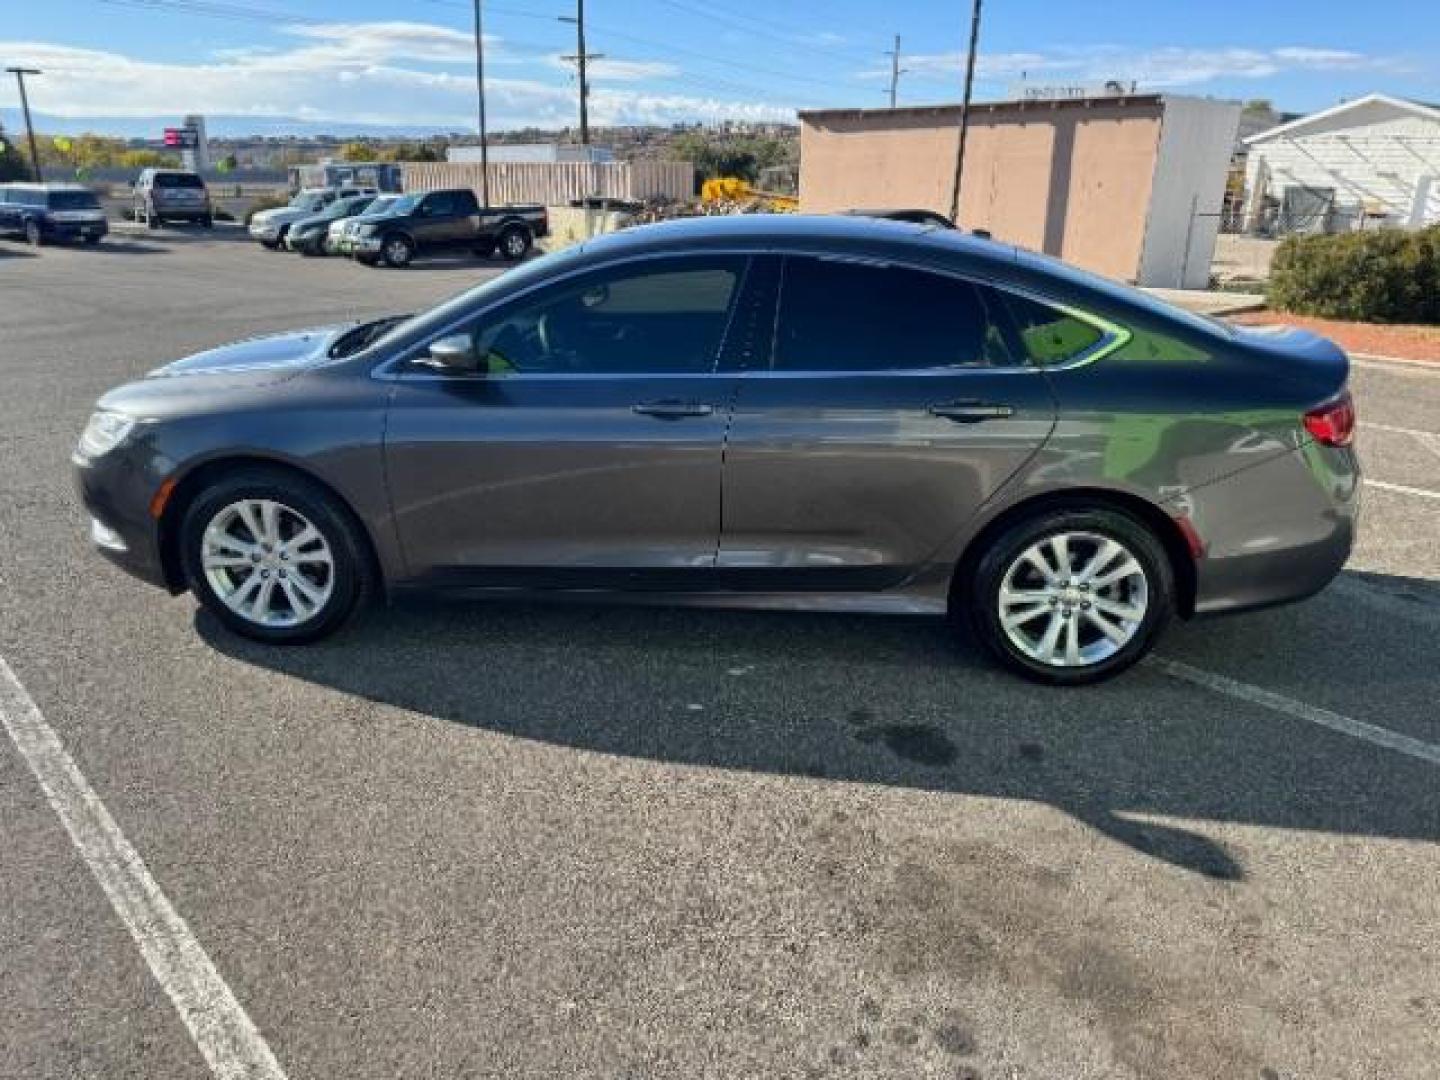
x=267, y=563
x=1073, y=599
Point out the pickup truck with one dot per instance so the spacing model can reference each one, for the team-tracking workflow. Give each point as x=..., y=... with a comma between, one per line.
x=451, y=218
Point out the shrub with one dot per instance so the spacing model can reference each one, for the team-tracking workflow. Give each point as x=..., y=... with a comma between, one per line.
x=265, y=202
x=1386, y=275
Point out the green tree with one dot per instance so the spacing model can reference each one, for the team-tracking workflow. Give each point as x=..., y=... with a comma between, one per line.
x=13, y=165
x=357, y=151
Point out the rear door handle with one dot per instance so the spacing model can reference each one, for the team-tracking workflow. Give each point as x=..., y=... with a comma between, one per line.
x=971, y=412
x=671, y=409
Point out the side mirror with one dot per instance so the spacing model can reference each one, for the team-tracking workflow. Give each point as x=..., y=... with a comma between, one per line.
x=455, y=353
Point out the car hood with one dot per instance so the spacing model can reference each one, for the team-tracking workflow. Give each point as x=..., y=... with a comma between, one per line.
x=281, y=214
x=271, y=358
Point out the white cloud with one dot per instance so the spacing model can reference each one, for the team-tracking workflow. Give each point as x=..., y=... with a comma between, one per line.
x=607, y=70
x=394, y=73
x=1151, y=68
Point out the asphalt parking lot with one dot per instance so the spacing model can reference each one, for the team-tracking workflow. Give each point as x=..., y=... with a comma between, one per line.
x=522, y=841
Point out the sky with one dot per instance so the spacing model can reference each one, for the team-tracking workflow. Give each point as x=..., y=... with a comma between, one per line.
x=410, y=63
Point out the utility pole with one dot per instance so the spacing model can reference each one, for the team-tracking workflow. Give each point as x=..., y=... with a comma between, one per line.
x=580, y=59
x=965, y=112
x=895, y=70
x=480, y=105
x=20, y=74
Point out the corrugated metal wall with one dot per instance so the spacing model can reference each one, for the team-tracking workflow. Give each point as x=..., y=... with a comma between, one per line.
x=556, y=183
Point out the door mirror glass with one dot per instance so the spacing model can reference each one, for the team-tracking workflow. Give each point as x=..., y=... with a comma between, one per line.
x=454, y=353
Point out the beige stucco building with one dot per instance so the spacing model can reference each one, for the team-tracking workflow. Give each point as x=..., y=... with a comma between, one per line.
x=1129, y=186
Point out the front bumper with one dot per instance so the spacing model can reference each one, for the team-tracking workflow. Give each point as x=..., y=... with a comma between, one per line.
x=369, y=245
x=117, y=497
x=1277, y=532
x=267, y=232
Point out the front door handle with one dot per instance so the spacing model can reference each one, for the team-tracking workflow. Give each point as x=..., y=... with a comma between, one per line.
x=671, y=409
x=971, y=412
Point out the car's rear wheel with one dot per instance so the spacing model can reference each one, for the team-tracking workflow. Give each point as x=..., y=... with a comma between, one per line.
x=1072, y=595
x=514, y=242
x=275, y=557
x=397, y=251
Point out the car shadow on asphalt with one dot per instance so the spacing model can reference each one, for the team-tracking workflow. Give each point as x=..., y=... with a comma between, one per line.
x=896, y=702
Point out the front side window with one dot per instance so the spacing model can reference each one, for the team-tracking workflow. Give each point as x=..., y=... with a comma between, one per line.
x=665, y=318
x=1048, y=335
x=838, y=316
x=440, y=205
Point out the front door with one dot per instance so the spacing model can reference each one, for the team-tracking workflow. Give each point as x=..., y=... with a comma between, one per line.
x=892, y=407
x=587, y=451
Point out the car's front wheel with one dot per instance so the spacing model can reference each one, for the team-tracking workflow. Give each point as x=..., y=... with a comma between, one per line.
x=1072, y=595
x=515, y=242
x=275, y=557
x=397, y=251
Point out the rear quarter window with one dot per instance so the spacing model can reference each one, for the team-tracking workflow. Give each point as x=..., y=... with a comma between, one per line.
x=1048, y=335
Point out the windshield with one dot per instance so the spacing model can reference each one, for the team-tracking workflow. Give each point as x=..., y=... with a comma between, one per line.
x=383, y=204
x=404, y=204
x=73, y=200
x=178, y=180
x=313, y=200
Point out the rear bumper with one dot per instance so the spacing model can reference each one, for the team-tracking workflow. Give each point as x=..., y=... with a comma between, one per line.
x=72, y=230
x=1274, y=533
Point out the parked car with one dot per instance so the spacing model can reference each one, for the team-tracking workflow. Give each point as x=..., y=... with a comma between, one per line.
x=270, y=226
x=453, y=218
x=903, y=419
x=42, y=213
x=339, y=238
x=307, y=235
x=163, y=195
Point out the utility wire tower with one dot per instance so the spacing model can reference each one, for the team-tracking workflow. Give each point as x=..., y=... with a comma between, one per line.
x=580, y=59
x=895, y=70
x=480, y=105
x=965, y=112
x=20, y=74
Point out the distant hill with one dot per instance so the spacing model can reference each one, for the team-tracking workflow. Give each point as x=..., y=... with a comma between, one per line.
x=218, y=126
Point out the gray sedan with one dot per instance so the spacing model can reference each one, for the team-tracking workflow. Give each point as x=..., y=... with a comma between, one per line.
x=782, y=412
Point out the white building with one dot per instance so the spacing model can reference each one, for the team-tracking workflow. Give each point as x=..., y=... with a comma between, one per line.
x=1365, y=163
x=531, y=153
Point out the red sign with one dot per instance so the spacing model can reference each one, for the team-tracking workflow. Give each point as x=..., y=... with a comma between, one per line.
x=184, y=138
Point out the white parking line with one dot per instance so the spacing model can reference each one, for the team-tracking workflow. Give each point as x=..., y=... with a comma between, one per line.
x=1424, y=436
x=227, y=1039
x=1356, y=729
x=1403, y=489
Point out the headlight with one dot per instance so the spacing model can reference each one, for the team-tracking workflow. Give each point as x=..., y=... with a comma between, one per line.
x=366, y=229
x=104, y=432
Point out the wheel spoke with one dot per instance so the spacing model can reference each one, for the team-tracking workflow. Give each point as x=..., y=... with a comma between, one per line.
x=1128, y=612
x=1106, y=627
x=1045, y=649
x=1127, y=568
x=216, y=561
x=263, y=598
x=1103, y=557
x=1019, y=616
x=300, y=604
x=308, y=535
x=1060, y=545
x=1036, y=558
x=251, y=520
x=1072, y=642
x=270, y=521
x=1010, y=596
x=241, y=596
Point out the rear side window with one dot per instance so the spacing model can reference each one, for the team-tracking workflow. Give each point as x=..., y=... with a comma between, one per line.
x=838, y=316
x=1048, y=335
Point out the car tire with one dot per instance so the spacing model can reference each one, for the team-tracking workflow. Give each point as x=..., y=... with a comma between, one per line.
x=301, y=593
x=33, y=234
x=1107, y=597
x=207, y=222
x=514, y=242
x=397, y=251
x=152, y=219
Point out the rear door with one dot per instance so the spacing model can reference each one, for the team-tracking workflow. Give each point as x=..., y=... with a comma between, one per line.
x=888, y=410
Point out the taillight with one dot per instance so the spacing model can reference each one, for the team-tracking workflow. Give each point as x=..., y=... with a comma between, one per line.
x=1333, y=424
